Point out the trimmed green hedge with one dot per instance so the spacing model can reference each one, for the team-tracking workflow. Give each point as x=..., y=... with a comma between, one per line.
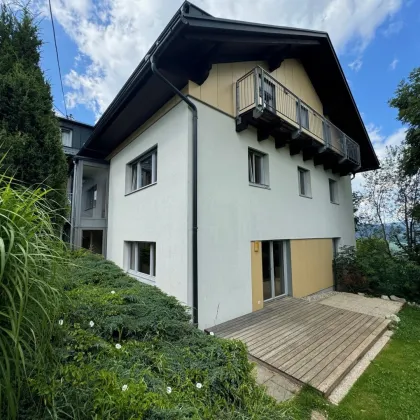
x=125, y=350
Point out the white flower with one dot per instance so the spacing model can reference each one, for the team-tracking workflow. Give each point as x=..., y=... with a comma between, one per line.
x=124, y=387
x=168, y=390
x=118, y=346
x=198, y=385
x=211, y=333
x=91, y=323
x=60, y=322
x=112, y=292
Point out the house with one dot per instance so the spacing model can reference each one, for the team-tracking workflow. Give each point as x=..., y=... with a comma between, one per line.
x=87, y=222
x=221, y=172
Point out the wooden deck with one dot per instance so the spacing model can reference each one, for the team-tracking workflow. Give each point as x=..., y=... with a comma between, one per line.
x=310, y=342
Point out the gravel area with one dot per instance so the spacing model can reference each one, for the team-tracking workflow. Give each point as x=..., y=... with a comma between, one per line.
x=364, y=305
x=316, y=297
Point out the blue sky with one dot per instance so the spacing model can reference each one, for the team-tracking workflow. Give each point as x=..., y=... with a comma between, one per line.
x=100, y=43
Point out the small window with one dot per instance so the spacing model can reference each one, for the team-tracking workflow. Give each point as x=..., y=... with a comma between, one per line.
x=304, y=182
x=91, y=197
x=66, y=137
x=333, y=191
x=143, y=171
x=304, y=115
x=142, y=258
x=257, y=168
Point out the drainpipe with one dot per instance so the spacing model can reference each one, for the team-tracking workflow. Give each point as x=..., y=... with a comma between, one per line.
x=193, y=109
x=72, y=210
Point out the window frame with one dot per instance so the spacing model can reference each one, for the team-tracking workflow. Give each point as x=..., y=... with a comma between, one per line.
x=91, y=201
x=70, y=132
x=133, y=267
x=307, y=190
x=135, y=171
x=333, y=190
x=252, y=179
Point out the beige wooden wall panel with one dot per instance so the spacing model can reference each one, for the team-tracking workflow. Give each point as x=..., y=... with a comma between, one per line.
x=256, y=276
x=219, y=88
x=311, y=265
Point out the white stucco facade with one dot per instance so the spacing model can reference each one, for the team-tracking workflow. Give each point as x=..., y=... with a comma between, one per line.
x=231, y=213
x=158, y=213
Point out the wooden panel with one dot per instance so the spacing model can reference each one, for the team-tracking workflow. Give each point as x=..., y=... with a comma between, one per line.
x=219, y=88
x=256, y=276
x=311, y=265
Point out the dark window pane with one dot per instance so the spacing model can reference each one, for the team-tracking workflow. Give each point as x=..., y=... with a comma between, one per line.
x=134, y=177
x=144, y=257
x=302, y=182
x=258, y=169
x=250, y=167
x=132, y=256
x=278, y=268
x=266, y=270
x=146, y=171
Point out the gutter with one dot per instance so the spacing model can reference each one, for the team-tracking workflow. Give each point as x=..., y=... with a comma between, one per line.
x=193, y=109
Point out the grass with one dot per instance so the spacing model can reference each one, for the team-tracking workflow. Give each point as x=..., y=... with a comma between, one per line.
x=389, y=388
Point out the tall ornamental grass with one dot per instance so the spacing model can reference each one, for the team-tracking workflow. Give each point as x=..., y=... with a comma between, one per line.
x=29, y=251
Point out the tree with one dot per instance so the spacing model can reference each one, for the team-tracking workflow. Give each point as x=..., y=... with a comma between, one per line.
x=29, y=131
x=390, y=203
x=407, y=101
x=357, y=198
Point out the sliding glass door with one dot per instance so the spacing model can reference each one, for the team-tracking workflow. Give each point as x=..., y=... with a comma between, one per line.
x=273, y=263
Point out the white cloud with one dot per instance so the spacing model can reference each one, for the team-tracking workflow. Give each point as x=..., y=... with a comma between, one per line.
x=393, y=28
x=380, y=143
x=393, y=64
x=356, y=65
x=112, y=36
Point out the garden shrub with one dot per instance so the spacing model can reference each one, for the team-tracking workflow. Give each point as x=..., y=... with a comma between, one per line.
x=126, y=350
x=371, y=268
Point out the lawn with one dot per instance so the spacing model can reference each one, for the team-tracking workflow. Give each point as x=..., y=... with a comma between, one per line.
x=389, y=388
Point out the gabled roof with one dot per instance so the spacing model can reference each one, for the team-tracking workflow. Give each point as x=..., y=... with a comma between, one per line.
x=193, y=41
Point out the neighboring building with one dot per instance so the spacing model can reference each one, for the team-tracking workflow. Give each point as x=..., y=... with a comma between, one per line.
x=87, y=221
x=258, y=208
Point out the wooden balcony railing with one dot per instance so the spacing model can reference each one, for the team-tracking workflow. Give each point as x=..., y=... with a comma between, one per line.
x=260, y=92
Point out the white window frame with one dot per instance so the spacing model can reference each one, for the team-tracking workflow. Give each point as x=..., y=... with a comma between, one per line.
x=150, y=277
x=70, y=136
x=134, y=182
x=307, y=191
x=263, y=175
x=333, y=190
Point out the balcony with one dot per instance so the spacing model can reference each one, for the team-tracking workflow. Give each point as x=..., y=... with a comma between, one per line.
x=289, y=120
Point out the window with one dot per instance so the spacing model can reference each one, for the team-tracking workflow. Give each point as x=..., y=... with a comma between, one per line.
x=269, y=93
x=66, y=137
x=143, y=171
x=304, y=115
x=91, y=196
x=304, y=182
x=326, y=128
x=333, y=191
x=257, y=168
x=142, y=258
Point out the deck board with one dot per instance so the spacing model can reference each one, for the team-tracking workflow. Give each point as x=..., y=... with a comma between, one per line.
x=311, y=342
